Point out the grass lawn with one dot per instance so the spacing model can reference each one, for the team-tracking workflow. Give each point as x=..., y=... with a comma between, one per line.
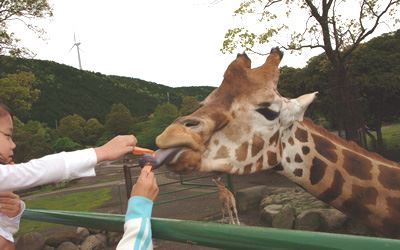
x=80, y=201
x=391, y=141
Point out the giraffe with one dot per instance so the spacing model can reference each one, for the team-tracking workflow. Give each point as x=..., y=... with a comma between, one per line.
x=228, y=202
x=245, y=126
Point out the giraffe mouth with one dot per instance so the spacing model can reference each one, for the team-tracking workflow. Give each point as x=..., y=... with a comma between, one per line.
x=164, y=156
x=180, y=160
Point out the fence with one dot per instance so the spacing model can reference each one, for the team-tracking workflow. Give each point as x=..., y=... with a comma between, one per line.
x=220, y=235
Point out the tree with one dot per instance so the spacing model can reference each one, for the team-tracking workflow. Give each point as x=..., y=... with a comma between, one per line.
x=189, y=104
x=22, y=11
x=324, y=27
x=159, y=120
x=65, y=144
x=375, y=66
x=119, y=121
x=32, y=140
x=18, y=91
x=93, y=131
x=72, y=126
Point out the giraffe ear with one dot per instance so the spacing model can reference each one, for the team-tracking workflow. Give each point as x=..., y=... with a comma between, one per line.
x=294, y=109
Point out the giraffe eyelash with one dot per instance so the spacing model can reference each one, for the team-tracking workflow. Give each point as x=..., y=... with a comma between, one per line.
x=268, y=113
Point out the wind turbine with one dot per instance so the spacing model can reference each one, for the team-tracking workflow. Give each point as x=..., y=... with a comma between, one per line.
x=77, y=44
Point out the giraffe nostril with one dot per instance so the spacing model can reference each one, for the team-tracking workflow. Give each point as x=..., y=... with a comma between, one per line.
x=191, y=123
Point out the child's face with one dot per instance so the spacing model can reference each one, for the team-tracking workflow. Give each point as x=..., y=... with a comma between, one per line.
x=6, y=143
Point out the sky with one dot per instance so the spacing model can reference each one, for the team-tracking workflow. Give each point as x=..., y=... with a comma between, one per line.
x=174, y=43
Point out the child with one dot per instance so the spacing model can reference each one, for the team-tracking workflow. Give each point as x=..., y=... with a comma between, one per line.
x=48, y=169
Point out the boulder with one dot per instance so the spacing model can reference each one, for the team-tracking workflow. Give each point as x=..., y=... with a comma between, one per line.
x=67, y=246
x=247, y=198
x=31, y=241
x=285, y=218
x=94, y=242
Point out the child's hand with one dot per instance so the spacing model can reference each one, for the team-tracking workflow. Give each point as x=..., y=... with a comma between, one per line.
x=10, y=204
x=146, y=185
x=116, y=147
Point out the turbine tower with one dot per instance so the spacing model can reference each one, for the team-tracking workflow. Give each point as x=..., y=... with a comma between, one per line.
x=77, y=44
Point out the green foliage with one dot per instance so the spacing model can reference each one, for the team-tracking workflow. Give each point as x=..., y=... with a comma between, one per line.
x=93, y=130
x=73, y=126
x=32, y=140
x=65, y=144
x=189, y=104
x=162, y=117
x=23, y=11
x=119, y=121
x=66, y=90
x=19, y=92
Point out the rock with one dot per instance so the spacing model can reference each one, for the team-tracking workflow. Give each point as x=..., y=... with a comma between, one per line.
x=333, y=219
x=269, y=212
x=63, y=234
x=357, y=228
x=67, y=246
x=31, y=241
x=309, y=220
x=285, y=218
x=94, y=242
x=247, y=198
x=82, y=233
x=113, y=238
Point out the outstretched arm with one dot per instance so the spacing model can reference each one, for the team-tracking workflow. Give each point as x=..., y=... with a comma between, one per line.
x=63, y=166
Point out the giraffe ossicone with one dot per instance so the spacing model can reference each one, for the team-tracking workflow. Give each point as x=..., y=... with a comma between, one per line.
x=245, y=126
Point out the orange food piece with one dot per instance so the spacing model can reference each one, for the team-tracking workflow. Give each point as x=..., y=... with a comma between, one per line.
x=142, y=151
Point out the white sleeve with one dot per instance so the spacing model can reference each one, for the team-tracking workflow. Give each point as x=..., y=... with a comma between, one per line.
x=9, y=226
x=48, y=169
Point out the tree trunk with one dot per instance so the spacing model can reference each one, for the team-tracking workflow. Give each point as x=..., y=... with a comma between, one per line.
x=349, y=108
x=379, y=138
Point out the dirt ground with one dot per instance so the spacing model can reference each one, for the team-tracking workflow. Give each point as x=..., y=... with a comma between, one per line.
x=176, y=200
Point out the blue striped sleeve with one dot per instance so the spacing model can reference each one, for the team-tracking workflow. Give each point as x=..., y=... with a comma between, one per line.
x=138, y=207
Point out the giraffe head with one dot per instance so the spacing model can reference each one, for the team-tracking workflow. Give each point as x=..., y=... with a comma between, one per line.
x=237, y=127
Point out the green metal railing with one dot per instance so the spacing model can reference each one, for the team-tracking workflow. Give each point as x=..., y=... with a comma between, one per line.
x=220, y=235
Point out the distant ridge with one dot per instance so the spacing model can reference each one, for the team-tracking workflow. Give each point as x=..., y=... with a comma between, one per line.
x=66, y=90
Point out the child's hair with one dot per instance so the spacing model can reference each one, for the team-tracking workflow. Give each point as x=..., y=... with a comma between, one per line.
x=4, y=110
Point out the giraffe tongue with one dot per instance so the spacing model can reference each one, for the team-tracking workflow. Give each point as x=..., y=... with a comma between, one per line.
x=163, y=156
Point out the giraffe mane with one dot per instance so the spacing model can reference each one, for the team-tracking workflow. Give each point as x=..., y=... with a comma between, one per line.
x=348, y=144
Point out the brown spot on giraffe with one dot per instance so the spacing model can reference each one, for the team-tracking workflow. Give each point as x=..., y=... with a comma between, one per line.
x=334, y=190
x=257, y=145
x=247, y=169
x=325, y=148
x=277, y=168
x=365, y=195
x=391, y=224
x=298, y=172
x=216, y=142
x=241, y=151
x=389, y=177
x=222, y=153
x=357, y=165
x=288, y=159
x=291, y=141
x=301, y=135
x=305, y=150
x=283, y=145
x=272, y=160
x=298, y=159
x=259, y=163
x=317, y=171
x=274, y=139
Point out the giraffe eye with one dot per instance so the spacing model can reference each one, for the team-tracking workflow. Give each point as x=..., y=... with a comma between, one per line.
x=268, y=113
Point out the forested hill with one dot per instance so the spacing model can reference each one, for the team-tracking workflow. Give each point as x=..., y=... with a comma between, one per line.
x=65, y=90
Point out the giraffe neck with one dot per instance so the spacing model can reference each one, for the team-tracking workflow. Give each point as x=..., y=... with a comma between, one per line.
x=361, y=184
